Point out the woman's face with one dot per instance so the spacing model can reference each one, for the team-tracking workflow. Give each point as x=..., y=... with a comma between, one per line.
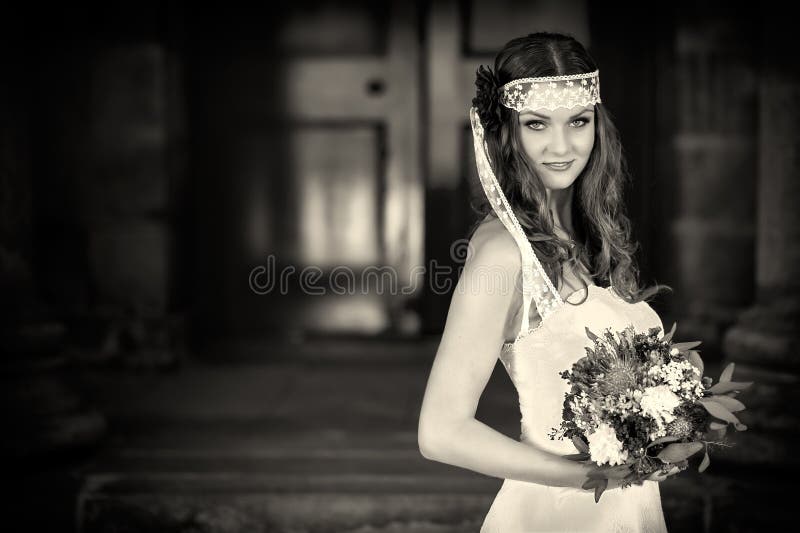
x=558, y=142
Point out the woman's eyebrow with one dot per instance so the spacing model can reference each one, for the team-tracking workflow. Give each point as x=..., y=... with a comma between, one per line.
x=545, y=117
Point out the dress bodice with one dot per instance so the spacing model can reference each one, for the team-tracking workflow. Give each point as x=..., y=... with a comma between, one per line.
x=536, y=358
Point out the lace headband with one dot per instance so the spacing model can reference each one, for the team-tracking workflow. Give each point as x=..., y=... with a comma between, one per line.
x=552, y=92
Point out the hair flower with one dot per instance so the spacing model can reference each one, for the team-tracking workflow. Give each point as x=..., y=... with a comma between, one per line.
x=487, y=99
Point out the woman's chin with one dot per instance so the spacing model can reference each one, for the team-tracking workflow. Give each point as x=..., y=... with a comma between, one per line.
x=560, y=179
x=556, y=183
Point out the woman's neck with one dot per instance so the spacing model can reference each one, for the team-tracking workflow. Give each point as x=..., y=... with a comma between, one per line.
x=559, y=201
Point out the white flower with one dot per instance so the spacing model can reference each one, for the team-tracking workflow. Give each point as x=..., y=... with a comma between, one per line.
x=658, y=402
x=680, y=376
x=604, y=447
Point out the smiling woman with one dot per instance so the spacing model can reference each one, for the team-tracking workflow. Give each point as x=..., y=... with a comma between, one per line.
x=559, y=161
x=550, y=163
x=558, y=144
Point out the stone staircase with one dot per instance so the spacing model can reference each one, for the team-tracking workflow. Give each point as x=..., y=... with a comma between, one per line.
x=316, y=448
x=242, y=478
x=308, y=447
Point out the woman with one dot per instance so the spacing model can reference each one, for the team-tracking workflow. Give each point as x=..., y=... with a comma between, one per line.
x=551, y=166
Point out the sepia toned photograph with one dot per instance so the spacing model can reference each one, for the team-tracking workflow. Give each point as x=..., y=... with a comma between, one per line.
x=382, y=266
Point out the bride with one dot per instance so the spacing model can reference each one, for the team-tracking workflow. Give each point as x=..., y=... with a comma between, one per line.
x=551, y=165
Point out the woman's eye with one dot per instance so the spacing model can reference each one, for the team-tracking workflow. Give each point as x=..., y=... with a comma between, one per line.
x=535, y=124
x=539, y=125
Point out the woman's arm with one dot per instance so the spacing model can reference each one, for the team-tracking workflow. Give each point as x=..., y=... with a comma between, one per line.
x=473, y=334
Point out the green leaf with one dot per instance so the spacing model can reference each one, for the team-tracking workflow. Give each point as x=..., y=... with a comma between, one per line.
x=731, y=404
x=717, y=425
x=679, y=451
x=598, y=473
x=662, y=440
x=591, y=483
x=618, y=472
x=683, y=464
x=610, y=472
x=684, y=346
x=577, y=456
x=598, y=491
x=694, y=357
x=580, y=444
x=718, y=410
x=591, y=335
x=722, y=388
x=668, y=336
x=718, y=433
x=704, y=463
x=727, y=374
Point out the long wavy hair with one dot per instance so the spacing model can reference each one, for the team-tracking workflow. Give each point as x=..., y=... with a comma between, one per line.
x=603, y=242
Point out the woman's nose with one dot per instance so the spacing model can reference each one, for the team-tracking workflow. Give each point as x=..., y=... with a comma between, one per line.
x=558, y=142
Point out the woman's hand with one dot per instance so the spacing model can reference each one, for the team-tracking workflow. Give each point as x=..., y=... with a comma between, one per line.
x=615, y=477
x=658, y=475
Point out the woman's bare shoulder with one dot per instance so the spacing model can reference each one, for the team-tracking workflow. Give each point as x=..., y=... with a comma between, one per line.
x=492, y=243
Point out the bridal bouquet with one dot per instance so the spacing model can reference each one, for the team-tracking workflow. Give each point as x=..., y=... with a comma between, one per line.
x=638, y=403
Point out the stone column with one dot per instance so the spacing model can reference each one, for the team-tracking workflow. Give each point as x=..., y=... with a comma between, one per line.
x=764, y=342
x=42, y=411
x=762, y=461
x=715, y=162
x=126, y=204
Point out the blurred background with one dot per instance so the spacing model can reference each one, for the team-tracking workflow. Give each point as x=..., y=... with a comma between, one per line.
x=186, y=189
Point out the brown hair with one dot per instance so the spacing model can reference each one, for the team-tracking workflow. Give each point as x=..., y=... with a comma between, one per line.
x=603, y=232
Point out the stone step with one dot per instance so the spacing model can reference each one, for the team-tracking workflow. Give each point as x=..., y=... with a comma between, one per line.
x=226, y=478
x=285, y=512
x=320, y=449
x=332, y=485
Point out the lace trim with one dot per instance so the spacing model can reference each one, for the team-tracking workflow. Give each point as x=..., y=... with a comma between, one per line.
x=552, y=92
x=553, y=78
x=589, y=288
x=609, y=290
x=542, y=290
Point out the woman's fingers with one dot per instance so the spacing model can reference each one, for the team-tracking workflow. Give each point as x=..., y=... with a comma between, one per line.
x=658, y=475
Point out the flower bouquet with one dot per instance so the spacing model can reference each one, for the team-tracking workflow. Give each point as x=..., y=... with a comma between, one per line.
x=638, y=403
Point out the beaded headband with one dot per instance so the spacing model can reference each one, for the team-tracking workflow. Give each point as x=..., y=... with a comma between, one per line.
x=552, y=92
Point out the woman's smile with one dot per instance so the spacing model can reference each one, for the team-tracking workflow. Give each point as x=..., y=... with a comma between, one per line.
x=559, y=165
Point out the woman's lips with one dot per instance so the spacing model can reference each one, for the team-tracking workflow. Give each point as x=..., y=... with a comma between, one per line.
x=559, y=166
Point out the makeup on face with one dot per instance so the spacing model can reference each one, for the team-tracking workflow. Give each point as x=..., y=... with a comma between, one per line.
x=558, y=143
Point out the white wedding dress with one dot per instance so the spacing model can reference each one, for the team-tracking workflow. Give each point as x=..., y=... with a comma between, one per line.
x=534, y=361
